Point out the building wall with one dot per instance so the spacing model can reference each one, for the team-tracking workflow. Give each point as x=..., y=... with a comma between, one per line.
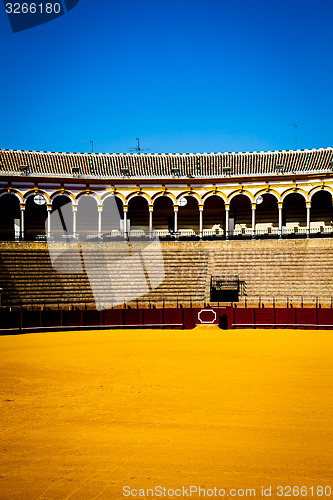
x=294, y=196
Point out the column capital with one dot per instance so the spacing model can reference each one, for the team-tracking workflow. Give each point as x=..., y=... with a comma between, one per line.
x=125, y=208
x=151, y=208
x=201, y=207
x=22, y=207
x=280, y=204
x=100, y=208
x=74, y=208
x=227, y=207
x=175, y=208
x=49, y=208
x=308, y=204
x=253, y=206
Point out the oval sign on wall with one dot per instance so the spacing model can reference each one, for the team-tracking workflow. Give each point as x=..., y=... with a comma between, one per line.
x=207, y=316
x=39, y=199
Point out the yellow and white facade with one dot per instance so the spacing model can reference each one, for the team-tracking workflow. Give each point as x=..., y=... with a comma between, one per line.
x=255, y=194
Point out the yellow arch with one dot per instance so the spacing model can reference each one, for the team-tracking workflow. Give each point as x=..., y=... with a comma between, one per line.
x=61, y=192
x=193, y=194
x=320, y=188
x=140, y=195
x=116, y=194
x=91, y=193
x=209, y=194
x=297, y=191
x=161, y=193
x=237, y=192
x=13, y=191
x=270, y=191
x=32, y=192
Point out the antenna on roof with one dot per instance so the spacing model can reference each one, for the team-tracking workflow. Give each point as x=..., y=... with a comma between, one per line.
x=138, y=148
x=295, y=127
x=91, y=144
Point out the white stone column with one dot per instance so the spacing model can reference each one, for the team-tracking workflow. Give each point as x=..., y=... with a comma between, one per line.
x=49, y=210
x=280, y=207
x=308, y=218
x=125, y=208
x=22, y=209
x=151, y=209
x=200, y=220
x=100, y=210
x=253, y=206
x=175, y=225
x=74, y=208
x=227, y=209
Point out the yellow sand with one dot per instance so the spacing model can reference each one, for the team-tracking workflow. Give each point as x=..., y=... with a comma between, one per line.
x=84, y=414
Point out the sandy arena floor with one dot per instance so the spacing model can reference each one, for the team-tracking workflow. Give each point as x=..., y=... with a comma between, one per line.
x=85, y=414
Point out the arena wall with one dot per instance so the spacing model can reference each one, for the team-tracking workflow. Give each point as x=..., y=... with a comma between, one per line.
x=276, y=273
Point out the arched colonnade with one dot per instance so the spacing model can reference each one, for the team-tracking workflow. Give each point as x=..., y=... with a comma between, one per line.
x=186, y=214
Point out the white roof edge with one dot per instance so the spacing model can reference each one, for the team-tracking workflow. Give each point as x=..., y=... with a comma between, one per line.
x=169, y=154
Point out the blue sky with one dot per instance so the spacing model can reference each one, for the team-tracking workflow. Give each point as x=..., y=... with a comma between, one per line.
x=184, y=76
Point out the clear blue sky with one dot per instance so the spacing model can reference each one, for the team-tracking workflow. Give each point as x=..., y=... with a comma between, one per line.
x=184, y=76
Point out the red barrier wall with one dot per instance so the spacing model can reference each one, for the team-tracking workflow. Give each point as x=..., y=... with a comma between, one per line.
x=51, y=318
x=225, y=317
x=285, y=317
x=325, y=317
x=133, y=317
x=113, y=317
x=31, y=319
x=244, y=317
x=92, y=318
x=264, y=316
x=72, y=318
x=189, y=318
x=306, y=317
x=152, y=316
x=173, y=317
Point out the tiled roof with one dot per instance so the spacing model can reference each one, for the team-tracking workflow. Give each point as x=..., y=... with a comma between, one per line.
x=206, y=165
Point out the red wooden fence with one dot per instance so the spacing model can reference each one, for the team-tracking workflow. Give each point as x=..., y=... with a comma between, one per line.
x=179, y=318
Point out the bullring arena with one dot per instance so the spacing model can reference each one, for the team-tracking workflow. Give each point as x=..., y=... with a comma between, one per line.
x=119, y=375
